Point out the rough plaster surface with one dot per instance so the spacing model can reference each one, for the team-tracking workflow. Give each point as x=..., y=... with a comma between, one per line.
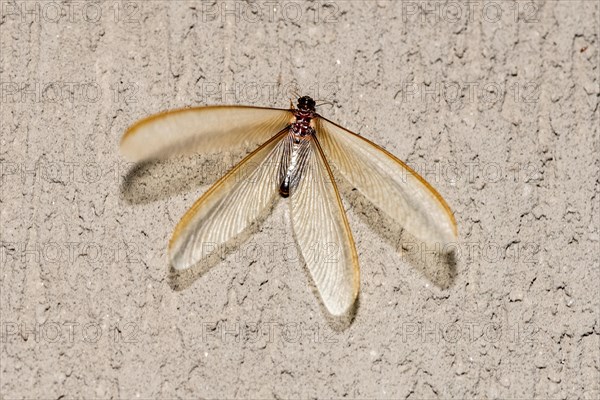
x=497, y=106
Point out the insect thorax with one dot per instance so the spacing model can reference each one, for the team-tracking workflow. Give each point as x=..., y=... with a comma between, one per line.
x=301, y=127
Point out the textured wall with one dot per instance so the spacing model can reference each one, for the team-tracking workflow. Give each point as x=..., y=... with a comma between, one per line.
x=495, y=103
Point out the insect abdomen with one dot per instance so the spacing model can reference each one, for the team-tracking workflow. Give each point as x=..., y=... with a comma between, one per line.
x=293, y=163
x=284, y=188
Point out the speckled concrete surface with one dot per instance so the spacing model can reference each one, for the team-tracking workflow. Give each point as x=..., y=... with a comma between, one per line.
x=496, y=103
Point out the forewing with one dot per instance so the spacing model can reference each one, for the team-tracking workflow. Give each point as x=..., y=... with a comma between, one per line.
x=228, y=207
x=209, y=129
x=389, y=183
x=323, y=234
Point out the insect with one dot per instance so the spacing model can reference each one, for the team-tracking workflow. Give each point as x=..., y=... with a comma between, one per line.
x=293, y=152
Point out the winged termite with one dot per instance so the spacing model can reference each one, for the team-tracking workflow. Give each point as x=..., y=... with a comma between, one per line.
x=293, y=150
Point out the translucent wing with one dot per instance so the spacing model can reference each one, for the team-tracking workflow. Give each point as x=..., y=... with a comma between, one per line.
x=389, y=183
x=323, y=234
x=229, y=206
x=210, y=129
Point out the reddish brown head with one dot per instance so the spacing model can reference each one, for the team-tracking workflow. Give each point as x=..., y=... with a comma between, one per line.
x=305, y=103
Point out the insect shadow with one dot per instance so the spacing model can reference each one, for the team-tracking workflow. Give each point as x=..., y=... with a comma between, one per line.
x=152, y=181
x=438, y=266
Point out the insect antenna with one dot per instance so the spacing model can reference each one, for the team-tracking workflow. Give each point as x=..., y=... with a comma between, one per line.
x=324, y=102
x=294, y=91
